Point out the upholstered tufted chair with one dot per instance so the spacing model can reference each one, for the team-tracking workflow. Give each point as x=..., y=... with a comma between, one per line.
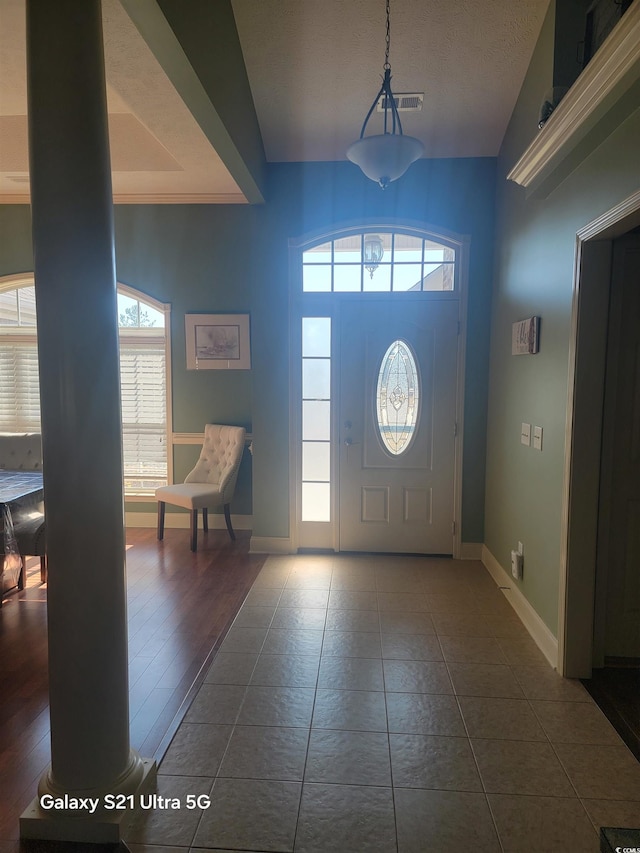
x=211, y=483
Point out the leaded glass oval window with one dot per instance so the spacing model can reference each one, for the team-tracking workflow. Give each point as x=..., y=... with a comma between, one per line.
x=397, y=397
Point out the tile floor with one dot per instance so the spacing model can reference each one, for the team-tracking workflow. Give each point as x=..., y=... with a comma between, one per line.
x=363, y=704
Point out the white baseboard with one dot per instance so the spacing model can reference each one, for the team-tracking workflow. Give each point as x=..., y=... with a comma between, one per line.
x=270, y=545
x=471, y=550
x=541, y=634
x=182, y=520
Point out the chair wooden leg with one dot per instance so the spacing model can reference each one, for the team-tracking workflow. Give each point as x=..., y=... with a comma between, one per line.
x=227, y=518
x=23, y=572
x=43, y=568
x=194, y=530
x=205, y=519
x=161, y=507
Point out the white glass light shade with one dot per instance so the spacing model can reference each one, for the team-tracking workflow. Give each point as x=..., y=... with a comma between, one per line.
x=385, y=157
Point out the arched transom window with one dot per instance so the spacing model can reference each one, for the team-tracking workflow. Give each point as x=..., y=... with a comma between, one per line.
x=378, y=262
x=143, y=325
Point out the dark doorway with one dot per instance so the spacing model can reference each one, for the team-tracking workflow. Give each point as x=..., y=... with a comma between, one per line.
x=615, y=681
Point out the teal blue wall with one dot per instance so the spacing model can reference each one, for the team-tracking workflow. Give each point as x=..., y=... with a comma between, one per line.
x=235, y=259
x=535, y=255
x=456, y=195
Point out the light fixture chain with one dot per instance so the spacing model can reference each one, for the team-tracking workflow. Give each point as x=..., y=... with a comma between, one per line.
x=388, y=37
x=385, y=157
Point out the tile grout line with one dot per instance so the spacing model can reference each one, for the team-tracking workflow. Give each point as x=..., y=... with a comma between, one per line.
x=313, y=707
x=386, y=711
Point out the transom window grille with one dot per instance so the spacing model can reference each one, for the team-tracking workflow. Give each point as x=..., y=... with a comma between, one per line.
x=378, y=262
x=143, y=380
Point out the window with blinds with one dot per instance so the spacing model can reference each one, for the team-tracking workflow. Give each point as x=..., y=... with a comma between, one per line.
x=143, y=380
x=19, y=391
x=144, y=413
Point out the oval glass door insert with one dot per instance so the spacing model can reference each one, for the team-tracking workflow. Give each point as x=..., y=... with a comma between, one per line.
x=397, y=397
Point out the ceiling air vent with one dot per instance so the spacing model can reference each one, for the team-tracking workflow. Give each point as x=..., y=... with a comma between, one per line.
x=407, y=102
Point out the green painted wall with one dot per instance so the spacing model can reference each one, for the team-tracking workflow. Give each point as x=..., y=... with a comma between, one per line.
x=534, y=270
x=16, y=255
x=188, y=255
x=235, y=259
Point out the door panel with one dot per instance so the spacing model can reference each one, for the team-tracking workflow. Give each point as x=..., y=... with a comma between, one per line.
x=401, y=503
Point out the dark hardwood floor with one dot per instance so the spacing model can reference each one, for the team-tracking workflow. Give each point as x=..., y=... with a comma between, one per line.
x=180, y=605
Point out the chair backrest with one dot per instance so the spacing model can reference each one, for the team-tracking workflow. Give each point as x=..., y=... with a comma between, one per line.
x=219, y=458
x=20, y=451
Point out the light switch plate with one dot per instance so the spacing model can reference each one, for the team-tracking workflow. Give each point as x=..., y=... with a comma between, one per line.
x=537, y=437
x=525, y=434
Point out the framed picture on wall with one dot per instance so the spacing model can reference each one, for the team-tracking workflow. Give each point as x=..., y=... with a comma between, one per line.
x=525, y=336
x=217, y=341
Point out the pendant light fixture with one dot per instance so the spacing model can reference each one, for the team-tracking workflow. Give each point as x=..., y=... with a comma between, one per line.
x=385, y=157
x=373, y=252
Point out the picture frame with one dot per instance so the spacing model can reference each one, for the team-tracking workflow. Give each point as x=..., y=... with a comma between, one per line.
x=218, y=341
x=525, y=336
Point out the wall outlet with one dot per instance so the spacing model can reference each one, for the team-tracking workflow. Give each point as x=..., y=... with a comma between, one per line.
x=525, y=434
x=517, y=565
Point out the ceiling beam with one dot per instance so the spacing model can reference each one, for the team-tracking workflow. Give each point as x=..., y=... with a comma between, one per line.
x=197, y=45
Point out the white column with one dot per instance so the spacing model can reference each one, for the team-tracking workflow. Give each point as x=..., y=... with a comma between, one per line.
x=81, y=425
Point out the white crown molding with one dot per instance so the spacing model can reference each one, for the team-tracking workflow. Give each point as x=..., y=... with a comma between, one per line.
x=148, y=198
x=15, y=198
x=179, y=198
x=611, y=72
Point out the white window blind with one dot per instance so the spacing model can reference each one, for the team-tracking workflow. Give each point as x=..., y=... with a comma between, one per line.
x=143, y=381
x=19, y=390
x=144, y=413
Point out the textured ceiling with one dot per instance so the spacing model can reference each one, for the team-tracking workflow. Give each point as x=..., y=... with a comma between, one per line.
x=158, y=151
x=316, y=65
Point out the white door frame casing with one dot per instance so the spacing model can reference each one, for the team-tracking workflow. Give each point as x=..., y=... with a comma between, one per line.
x=577, y=596
x=297, y=310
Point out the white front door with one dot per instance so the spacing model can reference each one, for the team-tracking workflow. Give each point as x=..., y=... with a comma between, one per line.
x=396, y=424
